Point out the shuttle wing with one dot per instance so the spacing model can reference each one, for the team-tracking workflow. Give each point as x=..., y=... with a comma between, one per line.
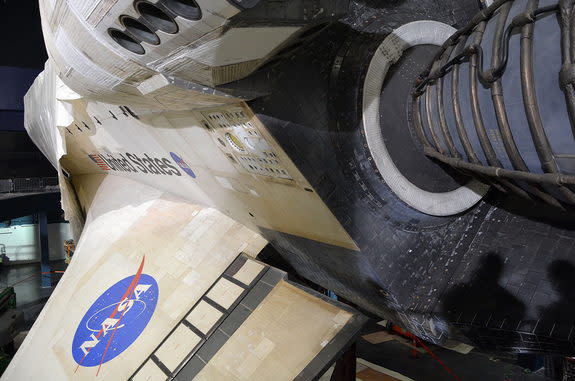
x=160, y=288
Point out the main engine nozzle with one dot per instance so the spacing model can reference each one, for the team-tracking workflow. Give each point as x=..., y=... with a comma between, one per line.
x=498, y=100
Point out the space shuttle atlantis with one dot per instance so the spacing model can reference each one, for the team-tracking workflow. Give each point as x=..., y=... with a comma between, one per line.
x=417, y=160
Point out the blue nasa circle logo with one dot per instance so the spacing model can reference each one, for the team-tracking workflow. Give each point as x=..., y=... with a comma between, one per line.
x=115, y=320
x=185, y=167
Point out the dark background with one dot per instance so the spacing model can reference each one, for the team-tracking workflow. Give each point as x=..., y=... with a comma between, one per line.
x=21, y=35
x=22, y=59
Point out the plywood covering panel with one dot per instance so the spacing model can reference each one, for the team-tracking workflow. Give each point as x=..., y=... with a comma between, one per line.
x=263, y=347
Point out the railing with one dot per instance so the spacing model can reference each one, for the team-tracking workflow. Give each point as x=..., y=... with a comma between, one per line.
x=29, y=185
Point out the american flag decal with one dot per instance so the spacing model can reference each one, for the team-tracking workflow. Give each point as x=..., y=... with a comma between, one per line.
x=99, y=162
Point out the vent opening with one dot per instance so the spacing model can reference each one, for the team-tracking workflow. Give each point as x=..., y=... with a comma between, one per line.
x=157, y=18
x=187, y=9
x=126, y=41
x=140, y=31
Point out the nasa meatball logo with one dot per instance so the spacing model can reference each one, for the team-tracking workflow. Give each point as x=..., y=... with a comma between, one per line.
x=183, y=165
x=115, y=320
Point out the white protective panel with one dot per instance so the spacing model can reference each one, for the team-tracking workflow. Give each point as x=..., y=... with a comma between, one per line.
x=44, y=113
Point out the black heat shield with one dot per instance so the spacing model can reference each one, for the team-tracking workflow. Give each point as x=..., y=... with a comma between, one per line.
x=500, y=273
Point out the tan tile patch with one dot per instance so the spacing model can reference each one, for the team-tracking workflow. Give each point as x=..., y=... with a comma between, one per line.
x=248, y=272
x=177, y=347
x=149, y=372
x=225, y=293
x=204, y=316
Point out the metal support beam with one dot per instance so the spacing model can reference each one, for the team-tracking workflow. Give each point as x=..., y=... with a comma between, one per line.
x=345, y=366
x=44, y=251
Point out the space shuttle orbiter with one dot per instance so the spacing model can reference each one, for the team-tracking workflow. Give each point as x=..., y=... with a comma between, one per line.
x=360, y=140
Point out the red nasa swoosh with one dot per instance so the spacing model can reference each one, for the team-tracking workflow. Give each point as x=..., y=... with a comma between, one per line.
x=130, y=289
